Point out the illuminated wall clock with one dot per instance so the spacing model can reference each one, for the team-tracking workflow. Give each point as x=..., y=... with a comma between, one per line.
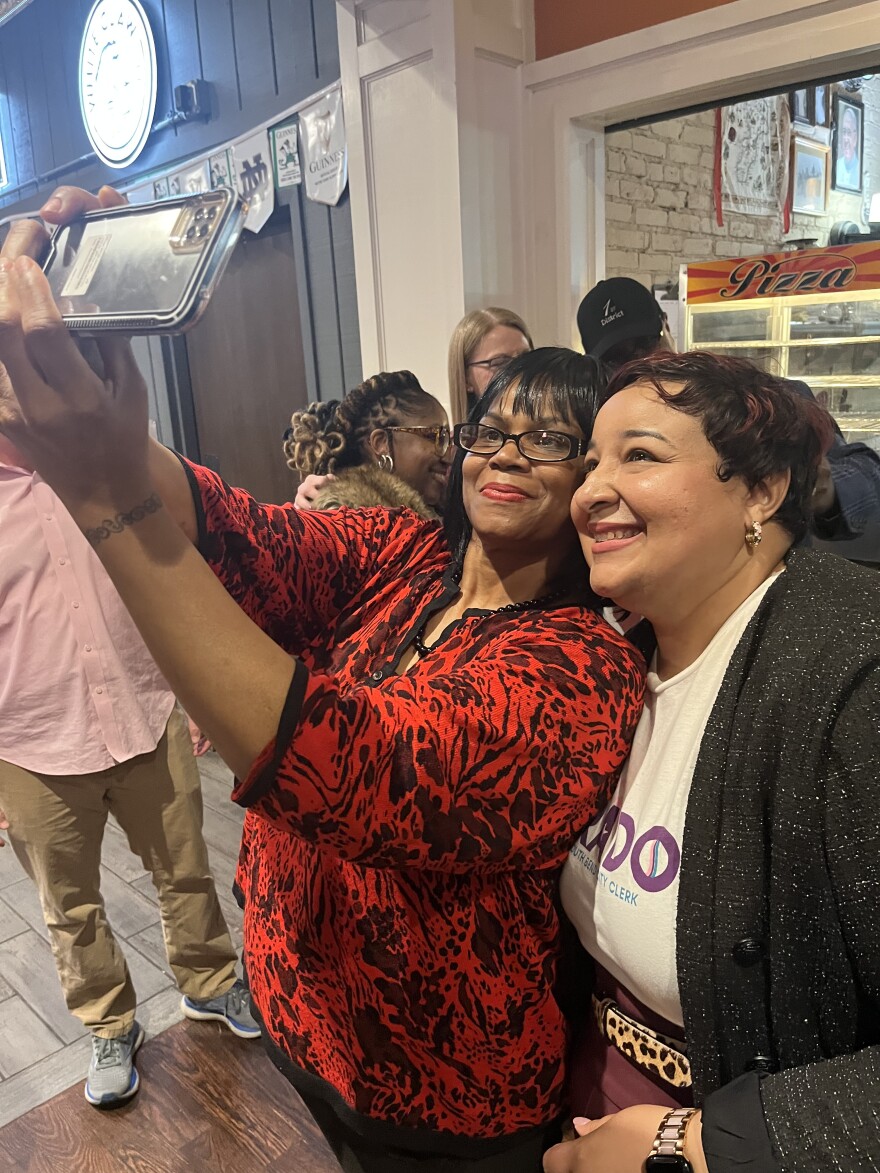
x=117, y=80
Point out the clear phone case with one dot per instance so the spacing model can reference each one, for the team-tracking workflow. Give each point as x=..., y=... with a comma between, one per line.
x=144, y=269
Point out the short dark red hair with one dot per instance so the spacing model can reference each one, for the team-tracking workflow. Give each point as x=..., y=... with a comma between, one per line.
x=755, y=422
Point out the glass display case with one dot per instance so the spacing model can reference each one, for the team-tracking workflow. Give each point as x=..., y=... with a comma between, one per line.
x=812, y=315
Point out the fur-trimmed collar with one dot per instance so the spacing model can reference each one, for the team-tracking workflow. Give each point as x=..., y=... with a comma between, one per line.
x=368, y=485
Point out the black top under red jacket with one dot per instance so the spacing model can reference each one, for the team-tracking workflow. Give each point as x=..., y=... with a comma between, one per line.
x=405, y=832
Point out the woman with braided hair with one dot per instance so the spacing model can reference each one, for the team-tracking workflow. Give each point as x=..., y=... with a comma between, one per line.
x=386, y=443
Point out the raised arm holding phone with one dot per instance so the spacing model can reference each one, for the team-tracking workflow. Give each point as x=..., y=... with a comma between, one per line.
x=421, y=721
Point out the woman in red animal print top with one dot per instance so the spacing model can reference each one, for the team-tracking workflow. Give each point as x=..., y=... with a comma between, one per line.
x=421, y=725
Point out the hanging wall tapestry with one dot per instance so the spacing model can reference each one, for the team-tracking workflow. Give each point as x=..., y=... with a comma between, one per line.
x=753, y=146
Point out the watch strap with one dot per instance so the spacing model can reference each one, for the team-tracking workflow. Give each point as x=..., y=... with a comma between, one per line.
x=669, y=1142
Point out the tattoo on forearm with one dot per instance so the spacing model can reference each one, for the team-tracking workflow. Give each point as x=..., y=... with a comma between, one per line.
x=115, y=525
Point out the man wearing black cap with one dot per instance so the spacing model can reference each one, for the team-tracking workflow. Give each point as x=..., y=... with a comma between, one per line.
x=620, y=320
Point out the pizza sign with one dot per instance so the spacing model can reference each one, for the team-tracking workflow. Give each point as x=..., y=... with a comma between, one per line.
x=811, y=271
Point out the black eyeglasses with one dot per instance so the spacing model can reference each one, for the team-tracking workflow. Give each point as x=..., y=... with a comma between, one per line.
x=439, y=434
x=492, y=364
x=540, y=444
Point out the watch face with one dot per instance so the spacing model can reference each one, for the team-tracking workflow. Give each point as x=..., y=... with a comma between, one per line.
x=659, y=1164
x=117, y=80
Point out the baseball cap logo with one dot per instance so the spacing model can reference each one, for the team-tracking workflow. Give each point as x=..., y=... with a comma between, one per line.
x=610, y=313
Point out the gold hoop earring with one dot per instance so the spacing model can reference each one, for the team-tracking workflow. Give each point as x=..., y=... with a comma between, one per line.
x=386, y=462
x=754, y=535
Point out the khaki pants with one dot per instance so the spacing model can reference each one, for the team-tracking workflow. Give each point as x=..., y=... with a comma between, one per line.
x=56, y=825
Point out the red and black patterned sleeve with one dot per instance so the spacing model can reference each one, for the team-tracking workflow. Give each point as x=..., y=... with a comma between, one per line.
x=494, y=764
x=292, y=571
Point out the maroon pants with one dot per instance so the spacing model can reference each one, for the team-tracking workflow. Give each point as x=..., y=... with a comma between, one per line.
x=603, y=1080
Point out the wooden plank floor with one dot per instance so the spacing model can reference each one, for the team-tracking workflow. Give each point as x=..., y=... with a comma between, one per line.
x=43, y=1049
x=208, y=1103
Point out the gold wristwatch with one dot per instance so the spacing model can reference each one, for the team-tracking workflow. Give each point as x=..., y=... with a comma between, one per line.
x=667, y=1152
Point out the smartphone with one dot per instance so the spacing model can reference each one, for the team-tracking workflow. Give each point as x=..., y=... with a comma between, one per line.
x=145, y=268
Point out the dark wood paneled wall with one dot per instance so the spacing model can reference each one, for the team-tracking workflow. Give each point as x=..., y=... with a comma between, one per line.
x=260, y=57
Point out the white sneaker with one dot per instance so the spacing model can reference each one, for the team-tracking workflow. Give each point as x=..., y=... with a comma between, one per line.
x=113, y=1077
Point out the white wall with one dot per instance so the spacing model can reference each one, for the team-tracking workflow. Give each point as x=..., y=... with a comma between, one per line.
x=433, y=102
x=492, y=157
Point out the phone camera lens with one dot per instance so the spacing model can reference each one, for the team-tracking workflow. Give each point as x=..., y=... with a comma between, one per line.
x=190, y=232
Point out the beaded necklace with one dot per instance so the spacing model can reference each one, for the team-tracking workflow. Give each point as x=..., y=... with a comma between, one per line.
x=418, y=641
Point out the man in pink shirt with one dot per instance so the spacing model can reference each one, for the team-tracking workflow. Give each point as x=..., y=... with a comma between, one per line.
x=88, y=727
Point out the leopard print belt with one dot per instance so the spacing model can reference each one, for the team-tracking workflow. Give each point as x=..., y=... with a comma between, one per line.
x=654, y=1052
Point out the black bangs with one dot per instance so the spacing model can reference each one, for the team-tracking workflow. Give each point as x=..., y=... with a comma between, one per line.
x=550, y=382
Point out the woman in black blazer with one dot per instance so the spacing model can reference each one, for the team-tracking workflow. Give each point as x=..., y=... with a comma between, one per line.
x=729, y=894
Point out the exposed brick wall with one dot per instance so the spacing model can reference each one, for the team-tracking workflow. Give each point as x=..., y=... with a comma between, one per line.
x=659, y=205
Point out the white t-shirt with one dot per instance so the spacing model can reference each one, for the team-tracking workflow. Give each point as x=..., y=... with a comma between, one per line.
x=620, y=883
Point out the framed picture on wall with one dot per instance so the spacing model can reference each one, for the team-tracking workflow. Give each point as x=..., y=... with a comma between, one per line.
x=809, y=177
x=847, y=145
x=801, y=105
x=821, y=106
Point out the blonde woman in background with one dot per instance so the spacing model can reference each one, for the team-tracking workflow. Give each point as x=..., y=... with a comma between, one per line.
x=482, y=342
x=386, y=443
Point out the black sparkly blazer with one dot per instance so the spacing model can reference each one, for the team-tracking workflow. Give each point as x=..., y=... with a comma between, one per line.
x=778, y=920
